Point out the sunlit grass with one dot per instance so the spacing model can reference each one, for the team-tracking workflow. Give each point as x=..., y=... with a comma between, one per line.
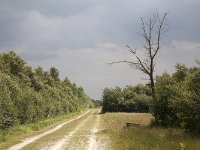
x=144, y=137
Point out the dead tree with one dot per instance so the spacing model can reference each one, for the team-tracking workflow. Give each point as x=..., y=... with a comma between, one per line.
x=152, y=31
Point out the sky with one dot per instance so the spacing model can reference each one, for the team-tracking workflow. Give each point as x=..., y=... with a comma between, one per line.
x=78, y=37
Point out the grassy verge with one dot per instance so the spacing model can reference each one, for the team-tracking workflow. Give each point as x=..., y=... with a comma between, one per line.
x=144, y=137
x=15, y=134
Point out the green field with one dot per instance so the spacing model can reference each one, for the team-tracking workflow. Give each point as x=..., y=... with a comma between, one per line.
x=144, y=137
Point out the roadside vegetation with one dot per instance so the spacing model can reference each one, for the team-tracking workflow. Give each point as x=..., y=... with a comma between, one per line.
x=30, y=95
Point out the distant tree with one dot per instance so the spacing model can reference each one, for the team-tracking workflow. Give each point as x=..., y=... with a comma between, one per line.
x=181, y=72
x=129, y=99
x=111, y=99
x=136, y=98
x=67, y=81
x=54, y=73
x=39, y=71
x=152, y=31
x=11, y=63
x=97, y=103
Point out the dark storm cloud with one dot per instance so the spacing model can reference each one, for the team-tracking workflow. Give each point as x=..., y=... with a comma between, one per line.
x=45, y=25
x=53, y=24
x=56, y=32
x=51, y=8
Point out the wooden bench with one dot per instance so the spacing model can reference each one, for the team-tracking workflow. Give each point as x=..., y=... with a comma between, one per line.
x=131, y=124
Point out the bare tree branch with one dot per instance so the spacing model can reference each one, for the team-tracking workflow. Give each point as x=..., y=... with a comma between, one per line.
x=152, y=31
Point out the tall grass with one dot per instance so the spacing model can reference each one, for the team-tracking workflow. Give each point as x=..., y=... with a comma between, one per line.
x=144, y=137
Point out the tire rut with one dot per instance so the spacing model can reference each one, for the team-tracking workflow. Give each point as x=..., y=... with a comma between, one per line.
x=80, y=133
x=30, y=140
x=64, y=141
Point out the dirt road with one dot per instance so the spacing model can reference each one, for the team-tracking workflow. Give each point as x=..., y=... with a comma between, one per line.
x=81, y=133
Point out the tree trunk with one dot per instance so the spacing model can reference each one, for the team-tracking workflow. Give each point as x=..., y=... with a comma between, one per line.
x=152, y=86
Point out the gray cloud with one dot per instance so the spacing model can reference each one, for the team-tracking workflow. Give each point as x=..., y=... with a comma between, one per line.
x=37, y=56
x=77, y=36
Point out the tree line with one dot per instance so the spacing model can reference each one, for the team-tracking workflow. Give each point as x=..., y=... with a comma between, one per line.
x=129, y=99
x=176, y=102
x=28, y=95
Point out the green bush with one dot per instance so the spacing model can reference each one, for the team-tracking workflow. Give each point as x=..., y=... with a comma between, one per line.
x=178, y=99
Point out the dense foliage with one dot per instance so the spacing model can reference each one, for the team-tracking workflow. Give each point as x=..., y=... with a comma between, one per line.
x=129, y=99
x=178, y=99
x=28, y=95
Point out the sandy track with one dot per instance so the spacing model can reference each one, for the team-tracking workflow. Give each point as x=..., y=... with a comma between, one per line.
x=34, y=138
x=93, y=145
x=81, y=133
x=82, y=137
x=66, y=139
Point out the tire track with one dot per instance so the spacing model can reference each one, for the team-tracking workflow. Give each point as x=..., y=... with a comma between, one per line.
x=93, y=145
x=59, y=145
x=34, y=138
